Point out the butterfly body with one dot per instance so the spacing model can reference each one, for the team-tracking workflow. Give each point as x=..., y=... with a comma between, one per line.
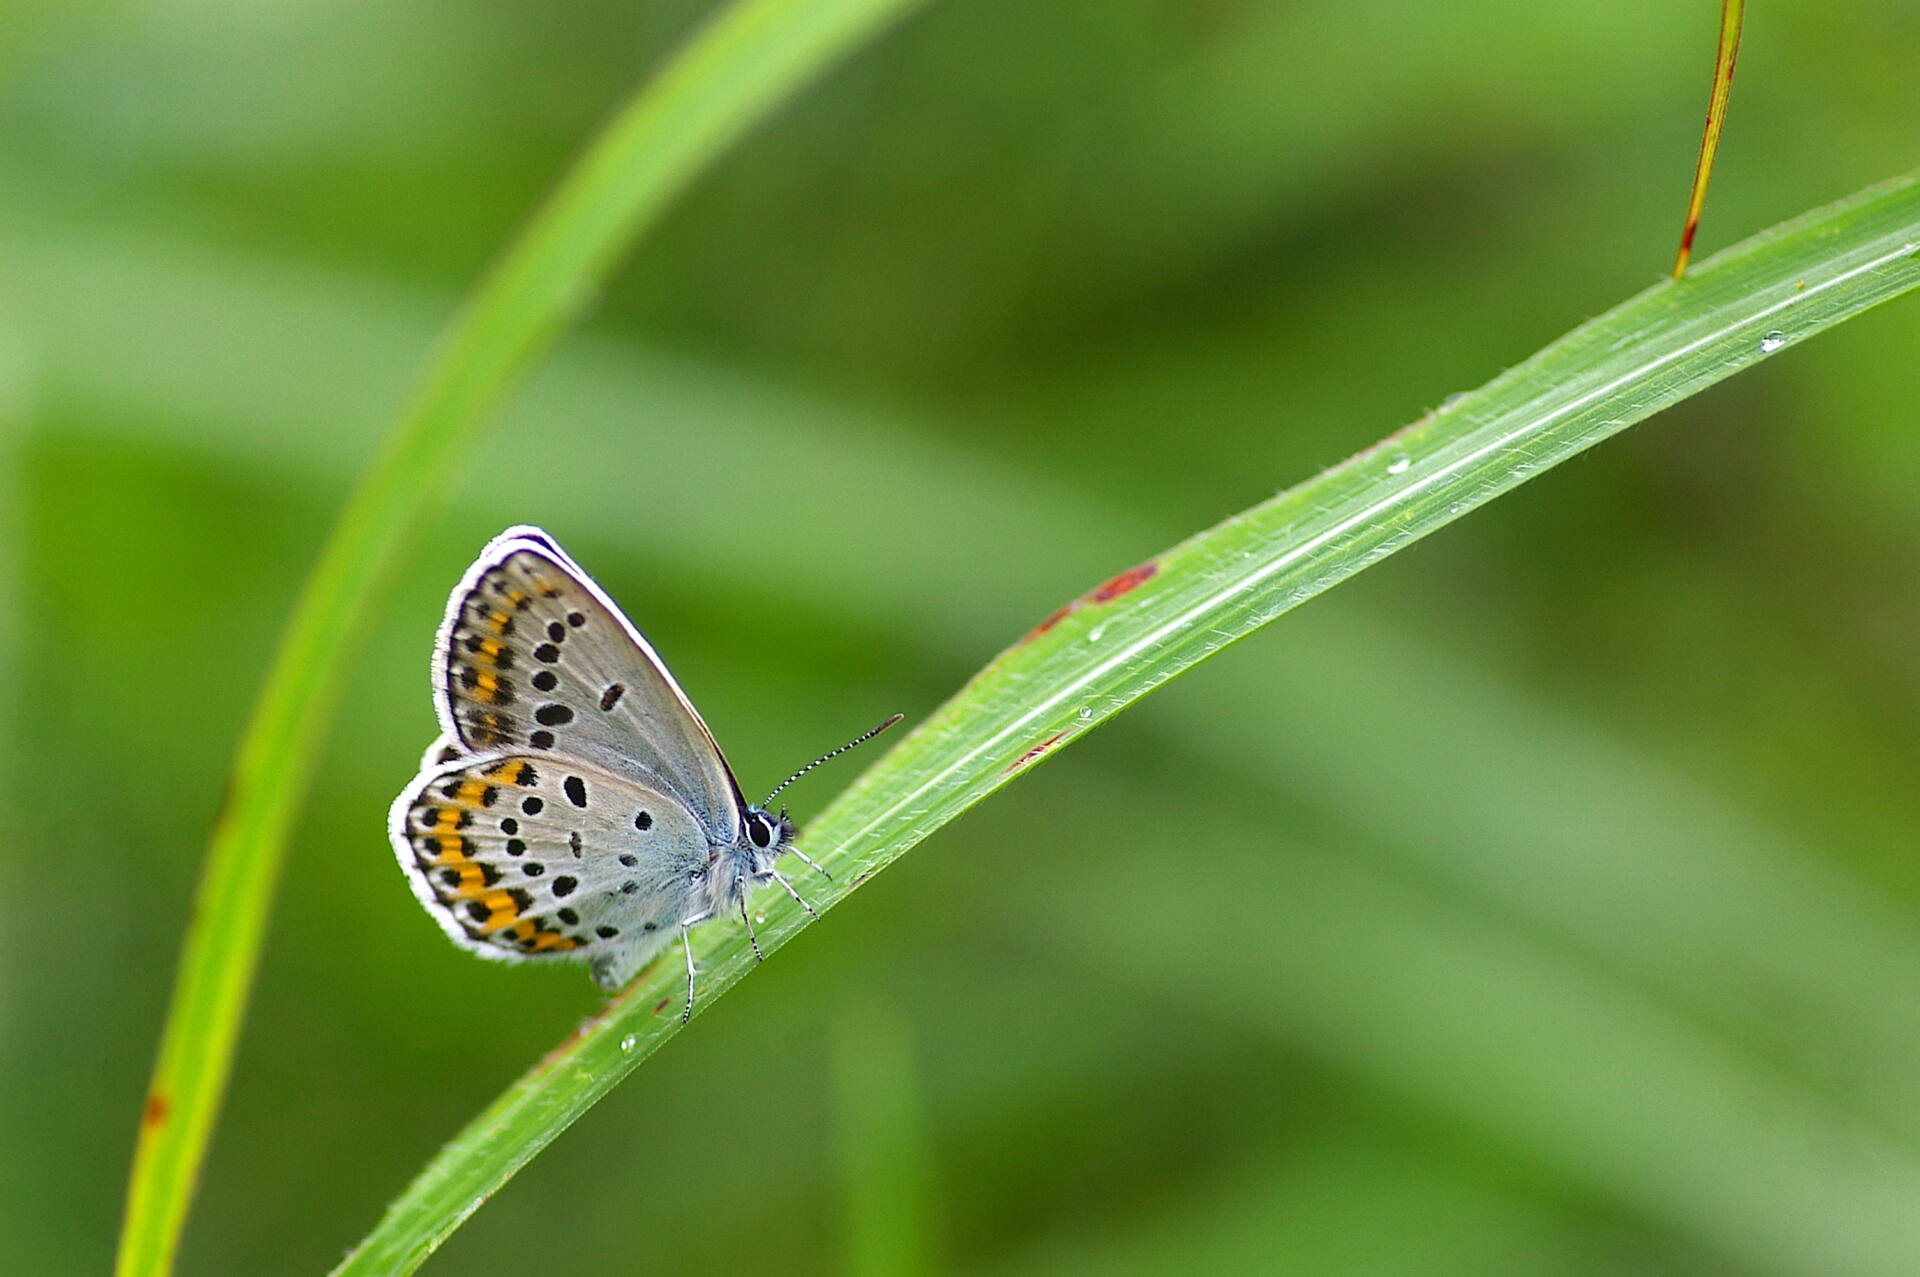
x=576, y=806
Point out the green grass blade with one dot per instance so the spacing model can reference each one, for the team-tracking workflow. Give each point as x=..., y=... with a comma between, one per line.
x=751, y=57
x=1732, y=14
x=888, y=1215
x=1146, y=626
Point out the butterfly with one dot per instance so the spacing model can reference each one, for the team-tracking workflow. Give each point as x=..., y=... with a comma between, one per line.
x=574, y=806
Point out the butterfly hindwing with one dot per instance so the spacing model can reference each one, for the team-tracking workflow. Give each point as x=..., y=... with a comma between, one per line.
x=529, y=856
x=442, y=751
x=534, y=658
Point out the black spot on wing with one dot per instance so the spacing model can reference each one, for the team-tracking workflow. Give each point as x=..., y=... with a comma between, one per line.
x=489, y=727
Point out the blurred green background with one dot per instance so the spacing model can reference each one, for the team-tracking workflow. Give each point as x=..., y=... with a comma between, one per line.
x=1545, y=901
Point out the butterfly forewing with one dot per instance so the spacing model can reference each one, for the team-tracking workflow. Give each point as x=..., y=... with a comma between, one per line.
x=535, y=659
x=522, y=856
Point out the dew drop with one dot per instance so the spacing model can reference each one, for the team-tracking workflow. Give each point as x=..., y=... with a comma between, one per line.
x=1098, y=630
x=1400, y=464
x=1772, y=341
x=1086, y=713
x=630, y=1041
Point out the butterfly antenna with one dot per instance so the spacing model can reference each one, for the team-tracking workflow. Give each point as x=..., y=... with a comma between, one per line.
x=861, y=739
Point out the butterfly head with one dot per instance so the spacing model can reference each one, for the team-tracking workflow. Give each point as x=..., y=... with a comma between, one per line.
x=766, y=835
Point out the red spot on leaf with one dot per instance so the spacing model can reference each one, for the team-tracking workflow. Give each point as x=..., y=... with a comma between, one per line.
x=1050, y=622
x=1131, y=579
x=1035, y=752
x=662, y=1005
x=1105, y=592
x=155, y=1112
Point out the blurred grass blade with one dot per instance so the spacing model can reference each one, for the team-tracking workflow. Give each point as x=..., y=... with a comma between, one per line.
x=732, y=73
x=1731, y=15
x=1525, y=1042
x=883, y=1145
x=1148, y=624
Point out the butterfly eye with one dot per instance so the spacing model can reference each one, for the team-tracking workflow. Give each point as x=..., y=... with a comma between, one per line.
x=759, y=829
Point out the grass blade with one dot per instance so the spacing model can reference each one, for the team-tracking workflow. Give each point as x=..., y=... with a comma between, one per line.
x=886, y=1166
x=1731, y=14
x=1147, y=625
x=738, y=68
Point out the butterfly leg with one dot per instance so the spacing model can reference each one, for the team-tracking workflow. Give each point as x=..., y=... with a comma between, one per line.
x=775, y=875
x=686, y=947
x=811, y=863
x=752, y=939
